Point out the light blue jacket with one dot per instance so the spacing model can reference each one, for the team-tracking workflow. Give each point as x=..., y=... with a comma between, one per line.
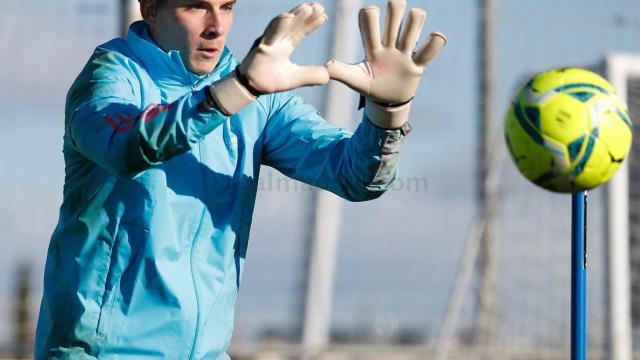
x=147, y=256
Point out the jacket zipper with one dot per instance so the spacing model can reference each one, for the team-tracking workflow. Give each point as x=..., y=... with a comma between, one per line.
x=194, y=341
x=193, y=275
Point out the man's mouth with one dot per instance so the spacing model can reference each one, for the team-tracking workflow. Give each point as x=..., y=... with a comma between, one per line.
x=209, y=52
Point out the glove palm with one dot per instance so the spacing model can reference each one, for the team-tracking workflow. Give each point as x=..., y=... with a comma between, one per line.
x=391, y=70
x=267, y=68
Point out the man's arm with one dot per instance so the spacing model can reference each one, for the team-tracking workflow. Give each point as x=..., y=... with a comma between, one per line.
x=302, y=145
x=359, y=167
x=107, y=124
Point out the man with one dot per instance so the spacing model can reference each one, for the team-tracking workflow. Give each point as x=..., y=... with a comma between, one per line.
x=165, y=133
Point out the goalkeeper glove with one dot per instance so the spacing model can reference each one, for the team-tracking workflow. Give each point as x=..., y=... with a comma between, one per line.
x=390, y=73
x=267, y=68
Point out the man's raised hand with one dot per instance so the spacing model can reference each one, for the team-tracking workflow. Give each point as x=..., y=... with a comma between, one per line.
x=267, y=68
x=389, y=75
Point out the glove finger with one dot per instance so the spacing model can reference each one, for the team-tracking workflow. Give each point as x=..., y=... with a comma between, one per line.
x=412, y=30
x=277, y=28
x=309, y=75
x=286, y=24
x=369, y=21
x=354, y=76
x=430, y=49
x=301, y=13
x=307, y=22
x=393, y=21
x=315, y=19
x=303, y=10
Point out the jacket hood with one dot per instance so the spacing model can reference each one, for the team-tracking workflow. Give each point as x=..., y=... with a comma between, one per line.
x=168, y=67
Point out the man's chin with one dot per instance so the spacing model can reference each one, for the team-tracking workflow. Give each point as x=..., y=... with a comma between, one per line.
x=203, y=67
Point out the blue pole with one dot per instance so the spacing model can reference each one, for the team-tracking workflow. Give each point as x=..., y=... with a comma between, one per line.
x=578, y=276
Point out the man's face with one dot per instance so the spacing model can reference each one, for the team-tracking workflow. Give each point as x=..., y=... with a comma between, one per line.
x=197, y=28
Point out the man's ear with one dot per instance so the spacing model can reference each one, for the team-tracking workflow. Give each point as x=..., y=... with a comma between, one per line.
x=149, y=11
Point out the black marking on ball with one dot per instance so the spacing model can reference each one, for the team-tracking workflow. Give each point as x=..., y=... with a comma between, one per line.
x=614, y=160
x=563, y=117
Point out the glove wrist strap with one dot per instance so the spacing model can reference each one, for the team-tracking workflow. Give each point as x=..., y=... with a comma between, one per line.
x=245, y=82
x=393, y=105
x=383, y=104
x=230, y=94
x=387, y=117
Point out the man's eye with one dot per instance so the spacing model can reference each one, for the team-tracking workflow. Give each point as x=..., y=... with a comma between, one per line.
x=227, y=7
x=197, y=7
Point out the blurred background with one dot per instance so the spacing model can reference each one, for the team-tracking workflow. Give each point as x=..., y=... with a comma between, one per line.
x=460, y=259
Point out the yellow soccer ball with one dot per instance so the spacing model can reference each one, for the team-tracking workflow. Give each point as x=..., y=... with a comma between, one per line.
x=567, y=130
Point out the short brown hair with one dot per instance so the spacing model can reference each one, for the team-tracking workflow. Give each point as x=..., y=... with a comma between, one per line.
x=158, y=2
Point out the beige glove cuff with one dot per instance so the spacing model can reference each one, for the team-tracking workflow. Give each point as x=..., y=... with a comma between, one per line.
x=230, y=95
x=387, y=117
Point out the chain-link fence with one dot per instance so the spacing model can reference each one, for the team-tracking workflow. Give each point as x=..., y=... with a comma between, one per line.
x=398, y=256
x=633, y=100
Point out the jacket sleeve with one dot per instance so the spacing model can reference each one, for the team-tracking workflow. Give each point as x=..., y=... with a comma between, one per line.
x=302, y=145
x=107, y=122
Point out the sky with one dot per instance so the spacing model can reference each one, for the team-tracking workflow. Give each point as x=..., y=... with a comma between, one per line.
x=397, y=256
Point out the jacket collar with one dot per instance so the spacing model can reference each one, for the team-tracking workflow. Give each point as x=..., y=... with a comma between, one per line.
x=167, y=68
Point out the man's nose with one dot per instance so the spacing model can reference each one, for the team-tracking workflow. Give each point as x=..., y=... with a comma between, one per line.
x=214, y=24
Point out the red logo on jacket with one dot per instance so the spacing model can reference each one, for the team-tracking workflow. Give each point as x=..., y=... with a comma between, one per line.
x=127, y=121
